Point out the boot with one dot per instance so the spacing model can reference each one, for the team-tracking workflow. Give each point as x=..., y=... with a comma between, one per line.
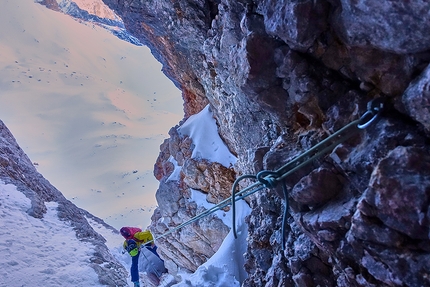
x=136, y=284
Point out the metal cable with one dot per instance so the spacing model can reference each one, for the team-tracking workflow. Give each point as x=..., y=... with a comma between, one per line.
x=269, y=179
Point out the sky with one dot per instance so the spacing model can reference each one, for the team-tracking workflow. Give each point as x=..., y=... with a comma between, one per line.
x=88, y=109
x=50, y=254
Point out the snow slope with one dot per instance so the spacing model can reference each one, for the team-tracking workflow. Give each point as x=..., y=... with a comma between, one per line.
x=225, y=267
x=46, y=252
x=89, y=109
x=40, y=252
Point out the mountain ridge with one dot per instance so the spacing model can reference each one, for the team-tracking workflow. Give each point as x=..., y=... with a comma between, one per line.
x=89, y=13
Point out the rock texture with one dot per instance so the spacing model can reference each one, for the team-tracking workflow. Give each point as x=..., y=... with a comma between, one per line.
x=281, y=75
x=194, y=244
x=17, y=169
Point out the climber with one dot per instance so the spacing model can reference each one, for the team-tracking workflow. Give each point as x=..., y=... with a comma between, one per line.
x=134, y=238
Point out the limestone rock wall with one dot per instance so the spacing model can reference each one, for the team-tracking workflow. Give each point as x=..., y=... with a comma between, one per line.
x=192, y=245
x=281, y=75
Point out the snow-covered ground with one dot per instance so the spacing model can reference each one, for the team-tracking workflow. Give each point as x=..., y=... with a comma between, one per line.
x=46, y=252
x=225, y=267
x=39, y=252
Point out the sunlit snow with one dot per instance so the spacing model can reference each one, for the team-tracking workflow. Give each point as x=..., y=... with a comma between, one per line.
x=202, y=128
x=40, y=252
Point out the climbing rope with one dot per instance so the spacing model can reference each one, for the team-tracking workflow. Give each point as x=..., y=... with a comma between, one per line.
x=269, y=179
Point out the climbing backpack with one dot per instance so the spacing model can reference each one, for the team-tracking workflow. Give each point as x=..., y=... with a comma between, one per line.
x=132, y=247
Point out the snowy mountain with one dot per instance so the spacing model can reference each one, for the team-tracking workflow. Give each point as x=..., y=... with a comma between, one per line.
x=48, y=241
x=93, y=12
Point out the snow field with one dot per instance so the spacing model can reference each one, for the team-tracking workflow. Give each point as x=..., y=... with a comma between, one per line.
x=40, y=252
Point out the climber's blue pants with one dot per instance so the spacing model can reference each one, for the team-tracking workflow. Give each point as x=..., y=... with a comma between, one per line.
x=134, y=270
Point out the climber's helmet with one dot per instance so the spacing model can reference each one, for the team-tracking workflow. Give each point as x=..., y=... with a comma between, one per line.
x=125, y=232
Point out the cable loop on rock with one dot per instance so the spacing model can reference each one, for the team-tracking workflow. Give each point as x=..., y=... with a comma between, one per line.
x=374, y=109
x=268, y=178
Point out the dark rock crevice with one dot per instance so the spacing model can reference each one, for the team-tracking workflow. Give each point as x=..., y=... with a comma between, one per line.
x=213, y=9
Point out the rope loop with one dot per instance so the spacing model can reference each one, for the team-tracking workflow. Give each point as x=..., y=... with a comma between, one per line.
x=374, y=109
x=268, y=178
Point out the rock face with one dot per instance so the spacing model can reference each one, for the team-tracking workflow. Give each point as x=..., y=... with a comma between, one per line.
x=17, y=169
x=192, y=245
x=280, y=76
